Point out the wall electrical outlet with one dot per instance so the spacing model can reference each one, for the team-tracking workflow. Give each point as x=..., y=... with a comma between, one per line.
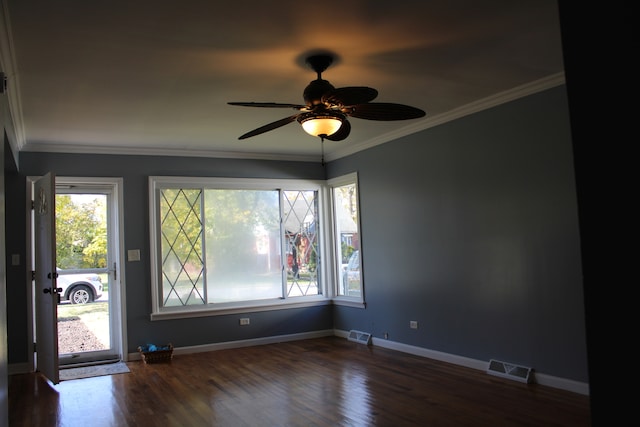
x=244, y=321
x=413, y=324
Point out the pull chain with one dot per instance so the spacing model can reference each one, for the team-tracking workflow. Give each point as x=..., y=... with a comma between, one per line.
x=322, y=148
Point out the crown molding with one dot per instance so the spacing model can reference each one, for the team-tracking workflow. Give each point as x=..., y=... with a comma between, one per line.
x=181, y=152
x=8, y=67
x=457, y=113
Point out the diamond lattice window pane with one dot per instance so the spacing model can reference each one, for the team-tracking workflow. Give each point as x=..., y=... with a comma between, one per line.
x=181, y=247
x=300, y=218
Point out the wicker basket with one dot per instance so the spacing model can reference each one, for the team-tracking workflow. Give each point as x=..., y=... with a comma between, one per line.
x=158, y=356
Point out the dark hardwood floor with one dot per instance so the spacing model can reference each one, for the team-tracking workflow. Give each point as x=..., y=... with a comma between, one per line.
x=319, y=382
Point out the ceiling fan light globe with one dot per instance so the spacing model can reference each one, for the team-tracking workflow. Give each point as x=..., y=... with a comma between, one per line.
x=321, y=126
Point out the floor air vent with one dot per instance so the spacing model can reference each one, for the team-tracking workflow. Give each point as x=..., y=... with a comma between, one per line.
x=361, y=337
x=507, y=370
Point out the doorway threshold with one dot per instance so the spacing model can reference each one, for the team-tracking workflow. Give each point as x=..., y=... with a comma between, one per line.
x=71, y=362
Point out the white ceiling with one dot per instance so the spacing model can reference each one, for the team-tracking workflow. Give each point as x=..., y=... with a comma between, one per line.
x=153, y=76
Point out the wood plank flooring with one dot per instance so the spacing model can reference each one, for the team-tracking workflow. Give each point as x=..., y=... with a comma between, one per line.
x=320, y=382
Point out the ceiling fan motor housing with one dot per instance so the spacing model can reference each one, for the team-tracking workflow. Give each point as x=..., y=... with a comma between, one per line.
x=315, y=90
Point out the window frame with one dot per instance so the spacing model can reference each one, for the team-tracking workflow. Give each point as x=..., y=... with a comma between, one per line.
x=351, y=301
x=156, y=183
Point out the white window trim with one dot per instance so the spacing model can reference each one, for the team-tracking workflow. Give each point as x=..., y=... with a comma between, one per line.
x=358, y=302
x=326, y=266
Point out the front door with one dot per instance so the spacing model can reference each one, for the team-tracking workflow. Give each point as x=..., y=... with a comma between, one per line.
x=46, y=290
x=89, y=326
x=64, y=301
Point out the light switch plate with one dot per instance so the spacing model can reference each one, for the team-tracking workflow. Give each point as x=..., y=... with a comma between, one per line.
x=133, y=254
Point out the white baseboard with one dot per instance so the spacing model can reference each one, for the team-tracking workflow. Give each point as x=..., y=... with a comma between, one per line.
x=244, y=343
x=562, y=383
x=542, y=379
x=19, y=368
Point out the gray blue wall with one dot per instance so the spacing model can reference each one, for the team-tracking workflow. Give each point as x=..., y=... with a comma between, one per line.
x=469, y=227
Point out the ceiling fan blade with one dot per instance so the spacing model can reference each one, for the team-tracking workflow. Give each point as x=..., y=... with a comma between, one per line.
x=268, y=105
x=342, y=133
x=384, y=111
x=270, y=126
x=350, y=95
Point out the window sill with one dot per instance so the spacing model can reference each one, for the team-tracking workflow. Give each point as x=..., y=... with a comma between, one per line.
x=240, y=308
x=349, y=302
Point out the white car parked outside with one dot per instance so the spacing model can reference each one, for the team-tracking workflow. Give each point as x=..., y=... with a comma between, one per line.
x=79, y=288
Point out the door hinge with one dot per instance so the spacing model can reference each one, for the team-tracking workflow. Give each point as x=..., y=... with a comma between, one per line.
x=35, y=348
x=33, y=205
x=33, y=275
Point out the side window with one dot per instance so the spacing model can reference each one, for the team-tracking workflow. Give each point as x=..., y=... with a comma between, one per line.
x=346, y=213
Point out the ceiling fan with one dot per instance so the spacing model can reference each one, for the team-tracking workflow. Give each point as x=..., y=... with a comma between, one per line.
x=326, y=108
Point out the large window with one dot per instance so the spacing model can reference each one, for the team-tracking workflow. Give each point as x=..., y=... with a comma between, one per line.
x=223, y=244
x=346, y=237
